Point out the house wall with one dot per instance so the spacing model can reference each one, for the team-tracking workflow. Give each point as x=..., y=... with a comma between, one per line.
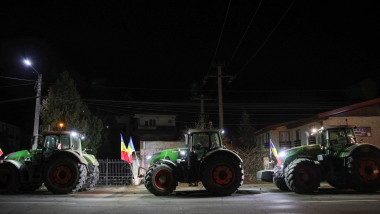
x=10, y=138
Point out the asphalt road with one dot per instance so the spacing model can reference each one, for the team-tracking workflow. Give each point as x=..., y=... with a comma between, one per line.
x=259, y=198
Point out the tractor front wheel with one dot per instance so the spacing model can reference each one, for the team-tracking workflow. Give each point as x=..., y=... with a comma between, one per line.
x=9, y=179
x=222, y=174
x=160, y=179
x=279, y=178
x=302, y=176
x=64, y=175
x=92, y=178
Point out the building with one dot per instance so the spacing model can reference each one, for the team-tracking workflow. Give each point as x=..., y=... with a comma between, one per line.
x=155, y=127
x=365, y=116
x=10, y=138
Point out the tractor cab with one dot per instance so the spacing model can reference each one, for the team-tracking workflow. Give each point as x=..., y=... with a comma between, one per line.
x=200, y=142
x=61, y=140
x=334, y=139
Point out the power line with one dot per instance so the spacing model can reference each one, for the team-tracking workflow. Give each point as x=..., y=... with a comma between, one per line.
x=220, y=38
x=9, y=86
x=267, y=38
x=14, y=78
x=245, y=33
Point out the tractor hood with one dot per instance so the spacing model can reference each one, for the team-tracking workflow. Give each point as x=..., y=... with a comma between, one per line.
x=168, y=154
x=18, y=156
x=286, y=156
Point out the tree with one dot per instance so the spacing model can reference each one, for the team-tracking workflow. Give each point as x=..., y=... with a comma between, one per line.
x=246, y=130
x=63, y=104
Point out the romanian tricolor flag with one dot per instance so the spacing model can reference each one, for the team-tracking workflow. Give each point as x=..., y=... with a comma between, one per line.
x=1, y=152
x=126, y=153
x=273, y=152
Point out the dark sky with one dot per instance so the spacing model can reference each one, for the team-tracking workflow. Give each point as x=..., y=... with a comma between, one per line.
x=295, y=54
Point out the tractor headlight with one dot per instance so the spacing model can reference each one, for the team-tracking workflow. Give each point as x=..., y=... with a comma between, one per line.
x=149, y=157
x=182, y=153
x=282, y=154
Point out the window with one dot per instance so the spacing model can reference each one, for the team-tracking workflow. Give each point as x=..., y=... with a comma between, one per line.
x=51, y=141
x=284, y=136
x=152, y=122
x=75, y=140
x=65, y=142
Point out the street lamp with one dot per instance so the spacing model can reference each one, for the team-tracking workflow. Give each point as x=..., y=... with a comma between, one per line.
x=28, y=63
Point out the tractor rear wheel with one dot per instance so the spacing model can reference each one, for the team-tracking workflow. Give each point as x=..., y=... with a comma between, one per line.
x=9, y=179
x=222, y=174
x=160, y=179
x=302, y=176
x=364, y=172
x=279, y=178
x=64, y=175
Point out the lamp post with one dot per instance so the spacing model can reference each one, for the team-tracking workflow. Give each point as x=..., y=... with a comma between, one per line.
x=38, y=103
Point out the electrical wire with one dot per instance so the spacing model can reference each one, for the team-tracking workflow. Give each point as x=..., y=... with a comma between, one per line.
x=245, y=33
x=267, y=38
x=14, y=78
x=219, y=40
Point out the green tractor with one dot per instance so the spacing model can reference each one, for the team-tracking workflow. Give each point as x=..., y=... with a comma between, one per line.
x=204, y=159
x=60, y=164
x=336, y=158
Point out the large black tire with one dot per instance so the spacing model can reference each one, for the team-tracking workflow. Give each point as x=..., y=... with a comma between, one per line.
x=302, y=176
x=9, y=179
x=160, y=179
x=92, y=178
x=364, y=172
x=279, y=179
x=222, y=174
x=64, y=175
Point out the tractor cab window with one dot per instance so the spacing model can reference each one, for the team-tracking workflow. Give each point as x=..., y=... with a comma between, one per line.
x=65, y=142
x=201, y=140
x=206, y=140
x=215, y=140
x=76, y=143
x=351, y=136
x=51, y=142
x=338, y=139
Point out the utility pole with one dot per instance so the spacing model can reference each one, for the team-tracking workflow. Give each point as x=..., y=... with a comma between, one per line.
x=220, y=92
x=28, y=63
x=37, y=112
x=220, y=96
x=202, y=115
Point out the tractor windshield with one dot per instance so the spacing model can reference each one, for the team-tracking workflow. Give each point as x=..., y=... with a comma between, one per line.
x=206, y=140
x=340, y=137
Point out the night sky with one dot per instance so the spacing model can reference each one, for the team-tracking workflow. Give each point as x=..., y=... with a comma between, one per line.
x=289, y=59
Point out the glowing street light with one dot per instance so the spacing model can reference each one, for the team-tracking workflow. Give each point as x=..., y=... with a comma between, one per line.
x=28, y=63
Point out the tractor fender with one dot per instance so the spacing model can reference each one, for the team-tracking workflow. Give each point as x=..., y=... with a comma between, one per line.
x=290, y=159
x=21, y=168
x=91, y=159
x=358, y=148
x=72, y=154
x=175, y=167
x=220, y=151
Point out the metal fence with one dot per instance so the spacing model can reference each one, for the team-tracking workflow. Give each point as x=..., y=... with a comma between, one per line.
x=114, y=172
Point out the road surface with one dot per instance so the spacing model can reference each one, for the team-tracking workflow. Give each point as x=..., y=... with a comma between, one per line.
x=259, y=198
